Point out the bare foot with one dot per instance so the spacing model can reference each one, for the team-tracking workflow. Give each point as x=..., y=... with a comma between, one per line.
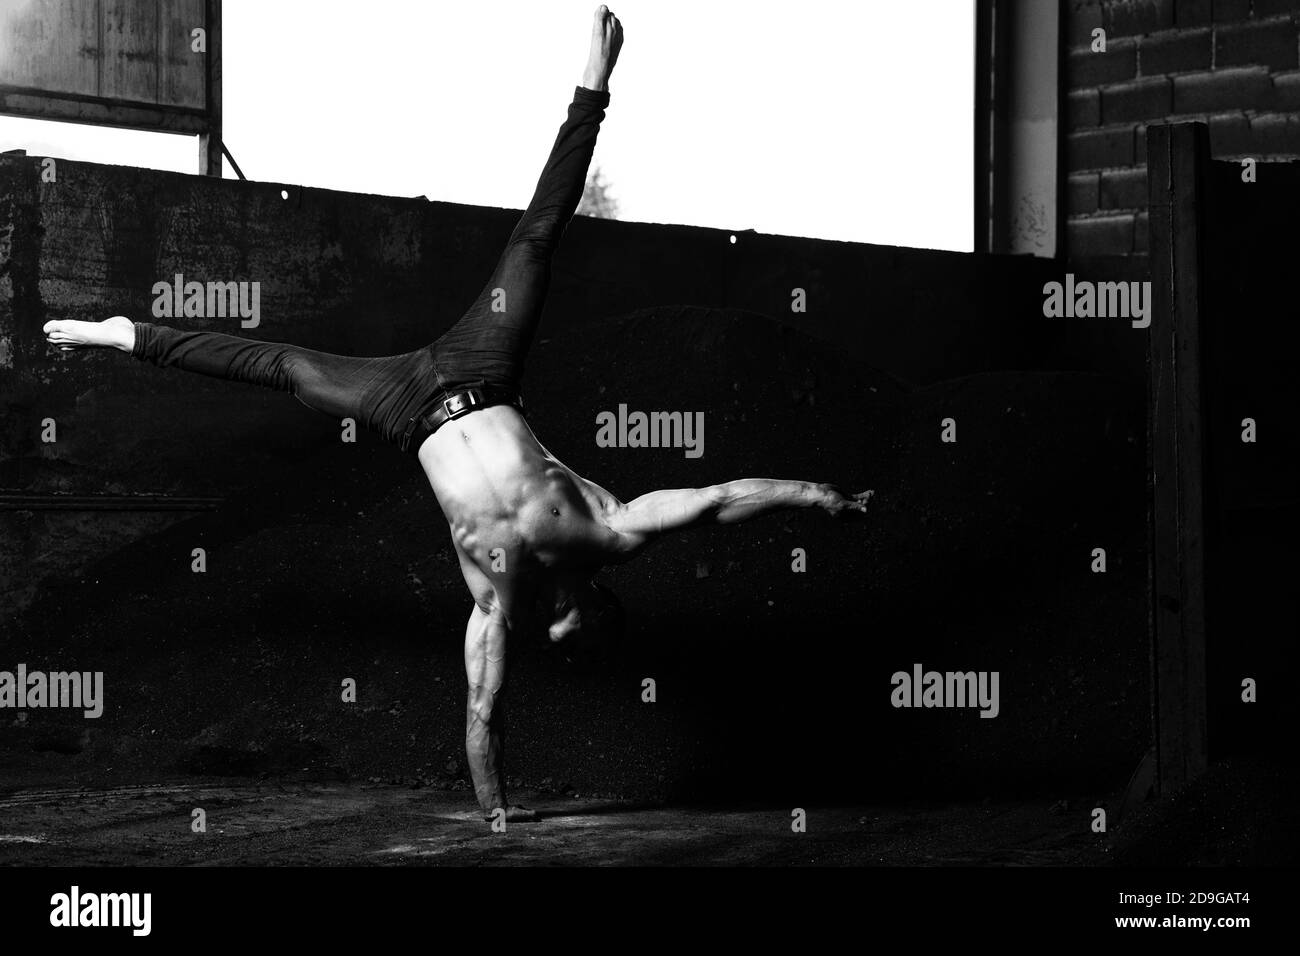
x=68, y=334
x=606, y=41
x=836, y=502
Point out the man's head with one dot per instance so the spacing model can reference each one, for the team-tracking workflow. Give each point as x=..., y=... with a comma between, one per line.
x=588, y=621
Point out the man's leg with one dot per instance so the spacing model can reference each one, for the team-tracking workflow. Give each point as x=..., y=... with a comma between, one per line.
x=491, y=341
x=379, y=393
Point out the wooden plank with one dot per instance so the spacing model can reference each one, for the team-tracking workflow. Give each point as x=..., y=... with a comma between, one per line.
x=50, y=45
x=182, y=73
x=210, y=140
x=26, y=102
x=1177, y=157
x=130, y=51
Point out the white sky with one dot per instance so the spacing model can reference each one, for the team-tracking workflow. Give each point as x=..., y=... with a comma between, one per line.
x=838, y=119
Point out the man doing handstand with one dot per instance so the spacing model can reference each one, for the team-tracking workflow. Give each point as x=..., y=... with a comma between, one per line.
x=527, y=530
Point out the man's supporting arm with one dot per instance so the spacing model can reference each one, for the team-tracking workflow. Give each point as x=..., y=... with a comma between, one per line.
x=642, y=519
x=485, y=668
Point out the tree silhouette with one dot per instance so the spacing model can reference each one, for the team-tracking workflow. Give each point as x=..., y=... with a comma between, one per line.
x=596, y=200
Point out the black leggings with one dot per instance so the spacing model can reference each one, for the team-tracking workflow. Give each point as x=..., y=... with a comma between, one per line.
x=488, y=344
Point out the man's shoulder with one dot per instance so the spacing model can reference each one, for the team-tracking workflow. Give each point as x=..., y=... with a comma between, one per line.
x=604, y=504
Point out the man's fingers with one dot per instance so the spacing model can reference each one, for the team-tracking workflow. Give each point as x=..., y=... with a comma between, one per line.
x=514, y=814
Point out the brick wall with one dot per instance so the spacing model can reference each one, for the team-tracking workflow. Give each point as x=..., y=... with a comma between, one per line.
x=1234, y=64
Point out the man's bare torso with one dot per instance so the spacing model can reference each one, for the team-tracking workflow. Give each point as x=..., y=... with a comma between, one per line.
x=515, y=511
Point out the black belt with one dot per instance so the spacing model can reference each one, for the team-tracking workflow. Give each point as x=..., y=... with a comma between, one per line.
x=453, y=405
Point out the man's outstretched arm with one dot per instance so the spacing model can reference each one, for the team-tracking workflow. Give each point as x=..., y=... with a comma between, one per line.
x=642, y=519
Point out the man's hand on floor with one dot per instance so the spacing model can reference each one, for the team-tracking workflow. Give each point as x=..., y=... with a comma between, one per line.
x=515, y=814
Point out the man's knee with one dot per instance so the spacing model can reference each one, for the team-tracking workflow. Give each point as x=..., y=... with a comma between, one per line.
x=536, y=239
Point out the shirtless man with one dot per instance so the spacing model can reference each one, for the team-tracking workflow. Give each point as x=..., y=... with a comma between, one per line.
x=529, y=532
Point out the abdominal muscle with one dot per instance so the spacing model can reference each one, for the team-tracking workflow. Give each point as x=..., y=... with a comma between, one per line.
x=499, y=488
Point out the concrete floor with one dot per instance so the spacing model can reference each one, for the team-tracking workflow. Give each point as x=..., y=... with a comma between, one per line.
x=317, y=824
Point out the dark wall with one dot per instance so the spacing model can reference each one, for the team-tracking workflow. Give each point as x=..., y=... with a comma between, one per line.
x=372, y=275
x=331, y=560
x=1250, y=339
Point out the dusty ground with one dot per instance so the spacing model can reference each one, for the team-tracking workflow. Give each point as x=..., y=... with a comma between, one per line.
x=1240, y=813
x=315, y=824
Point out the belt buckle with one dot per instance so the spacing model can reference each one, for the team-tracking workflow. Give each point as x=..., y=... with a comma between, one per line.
x=472, y=399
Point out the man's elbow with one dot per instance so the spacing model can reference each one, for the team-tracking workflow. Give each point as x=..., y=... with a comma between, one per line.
x=714, y=501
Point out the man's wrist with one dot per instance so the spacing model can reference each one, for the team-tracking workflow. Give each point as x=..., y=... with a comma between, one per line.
x=816, y=495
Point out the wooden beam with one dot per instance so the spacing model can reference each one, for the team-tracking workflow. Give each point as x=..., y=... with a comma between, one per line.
x=1177, y=160
x=990, y=118
x=210, y=140
x=39, y=104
